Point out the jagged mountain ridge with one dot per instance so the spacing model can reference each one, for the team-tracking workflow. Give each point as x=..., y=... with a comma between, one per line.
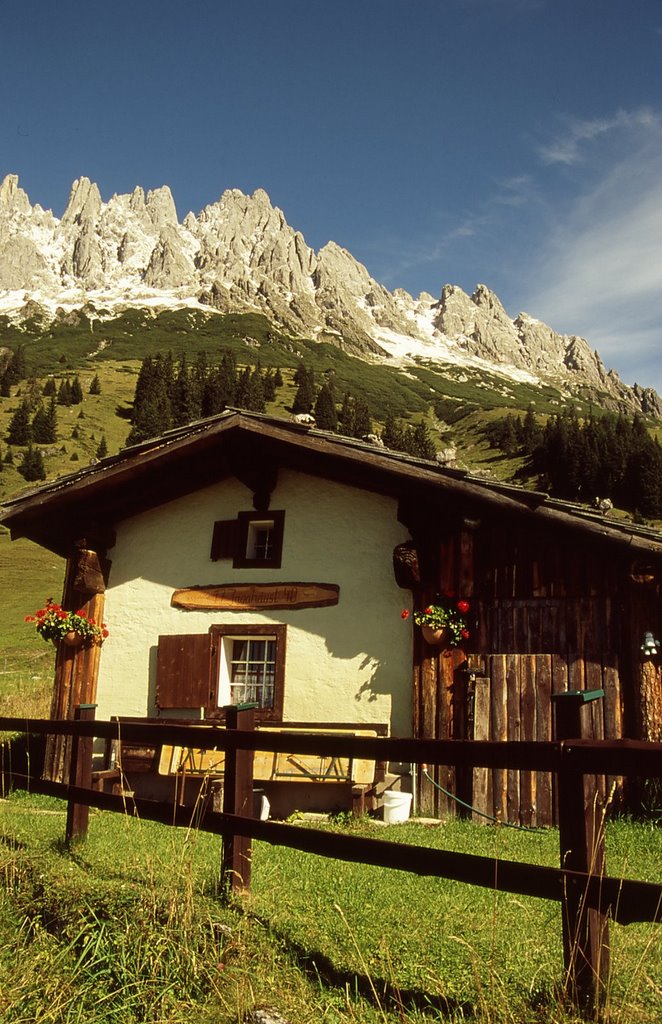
x=240, y=255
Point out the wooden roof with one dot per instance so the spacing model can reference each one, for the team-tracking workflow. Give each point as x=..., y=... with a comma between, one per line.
x=252, y=447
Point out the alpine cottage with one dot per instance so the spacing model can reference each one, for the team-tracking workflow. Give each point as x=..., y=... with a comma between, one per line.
x=244, y=558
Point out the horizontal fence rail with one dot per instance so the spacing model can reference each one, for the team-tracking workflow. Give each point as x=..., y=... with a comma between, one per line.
x=588, y=896
x=613, y=757
x=627, y=901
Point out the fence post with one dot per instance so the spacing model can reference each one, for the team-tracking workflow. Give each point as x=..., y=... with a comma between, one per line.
x=80, y=774
x=237, y=799
x=581, y=836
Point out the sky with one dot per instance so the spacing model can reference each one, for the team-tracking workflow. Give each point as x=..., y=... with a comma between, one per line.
x=513, y=143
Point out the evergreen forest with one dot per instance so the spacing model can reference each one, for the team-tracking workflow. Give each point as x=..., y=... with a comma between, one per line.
x=77, y=392
x=602, y=456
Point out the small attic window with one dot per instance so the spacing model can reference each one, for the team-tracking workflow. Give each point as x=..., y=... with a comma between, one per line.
x=260, y=540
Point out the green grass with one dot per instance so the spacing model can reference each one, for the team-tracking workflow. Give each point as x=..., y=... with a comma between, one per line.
x=128, y=928
x=28, y=575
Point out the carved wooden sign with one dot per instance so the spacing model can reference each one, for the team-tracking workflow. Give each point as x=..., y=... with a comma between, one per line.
x=256, y=596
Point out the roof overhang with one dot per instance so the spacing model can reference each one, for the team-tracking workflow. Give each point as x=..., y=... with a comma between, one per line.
x=93, y=501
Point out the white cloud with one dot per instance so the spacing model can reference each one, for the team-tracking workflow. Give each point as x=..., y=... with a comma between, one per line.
x=599, y=273
x=568, y=148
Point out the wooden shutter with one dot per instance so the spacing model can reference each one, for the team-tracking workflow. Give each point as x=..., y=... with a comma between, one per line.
x=183, y=666
x=224, y=539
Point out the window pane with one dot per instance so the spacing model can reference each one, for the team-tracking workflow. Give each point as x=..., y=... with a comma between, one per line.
x=253, y=672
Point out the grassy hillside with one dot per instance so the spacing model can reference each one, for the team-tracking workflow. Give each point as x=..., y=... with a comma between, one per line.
x=28, y=575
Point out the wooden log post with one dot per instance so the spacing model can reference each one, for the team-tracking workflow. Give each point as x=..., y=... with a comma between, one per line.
x=237, y=799
x=80, y=774
x=581, y=836
x=76, y=669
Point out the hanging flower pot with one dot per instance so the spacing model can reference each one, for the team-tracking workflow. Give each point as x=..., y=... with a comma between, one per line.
x=75, y=629
x=72, y=639
x=444, y=622
x=436, y=637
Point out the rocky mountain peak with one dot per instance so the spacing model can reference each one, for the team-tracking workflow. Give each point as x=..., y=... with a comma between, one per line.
x=161, y=207
x=12, y=198
x=84, y=203
x=239, y=254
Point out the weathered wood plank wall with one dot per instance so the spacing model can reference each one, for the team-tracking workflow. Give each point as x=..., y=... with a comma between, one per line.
x=551, y=613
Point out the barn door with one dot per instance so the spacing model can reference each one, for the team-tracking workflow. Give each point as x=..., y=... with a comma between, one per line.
x=183, y=671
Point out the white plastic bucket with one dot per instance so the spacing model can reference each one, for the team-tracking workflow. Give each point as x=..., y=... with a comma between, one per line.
x=397, y=806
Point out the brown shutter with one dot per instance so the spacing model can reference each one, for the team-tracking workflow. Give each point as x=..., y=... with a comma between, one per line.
x=224, y=539
x=183, y=671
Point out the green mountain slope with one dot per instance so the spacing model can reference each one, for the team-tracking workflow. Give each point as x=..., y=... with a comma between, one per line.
x=458, y=404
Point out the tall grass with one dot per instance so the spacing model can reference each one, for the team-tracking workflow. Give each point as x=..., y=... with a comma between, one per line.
x=128, y=927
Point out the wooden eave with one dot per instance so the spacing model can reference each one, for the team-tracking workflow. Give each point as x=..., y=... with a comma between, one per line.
x=94, y=500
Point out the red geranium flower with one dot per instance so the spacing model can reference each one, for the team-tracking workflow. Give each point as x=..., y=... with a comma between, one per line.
x=463, y=606
x=404, y=614
x=53, y=622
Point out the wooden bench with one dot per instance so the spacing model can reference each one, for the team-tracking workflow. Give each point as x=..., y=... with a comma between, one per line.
x=129, y=764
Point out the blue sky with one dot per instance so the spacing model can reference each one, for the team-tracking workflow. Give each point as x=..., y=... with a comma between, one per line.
x=516, y=143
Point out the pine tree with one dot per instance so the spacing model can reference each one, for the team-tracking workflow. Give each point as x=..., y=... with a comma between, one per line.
x=32, y=465
x=76, y=391
x=16, y=369
x=153, y=415
x=326, y=417
x=255, y=391
x=505, y=434
x=418, y=442
x=227, y=376
x=102, y=448
x=95, y=385
x=152, y=410
x=18, y=431
x=362, y=421
x=269, y=385
x=49, y=388
x=241, y=396
x=278, y=378
x=64, y=393
x=44, y=424
x=212, y=395
x=393, y=434
x=197, y=381
x=305, y=396
x=300, y=374
x=531, y=432
x=181, y=396
x=347, y=417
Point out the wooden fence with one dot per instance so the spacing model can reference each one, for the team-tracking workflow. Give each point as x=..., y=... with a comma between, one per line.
x=589, y=897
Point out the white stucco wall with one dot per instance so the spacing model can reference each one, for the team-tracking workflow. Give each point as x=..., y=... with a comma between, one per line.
x=348, y=662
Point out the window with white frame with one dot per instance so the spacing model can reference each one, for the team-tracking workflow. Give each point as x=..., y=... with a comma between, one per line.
x=251, y=667
x=260, y=540
x=254, y=540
